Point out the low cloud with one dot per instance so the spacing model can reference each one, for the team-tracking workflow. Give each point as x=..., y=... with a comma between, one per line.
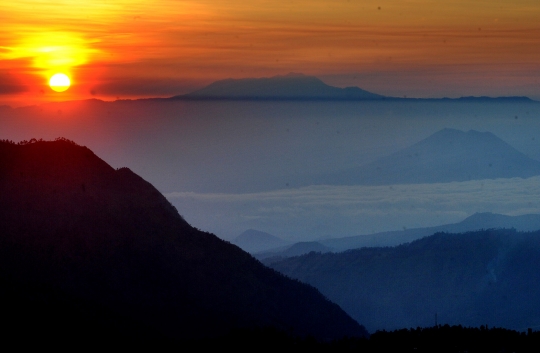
x=331, y=211
x=9, y=85
x=144, y=87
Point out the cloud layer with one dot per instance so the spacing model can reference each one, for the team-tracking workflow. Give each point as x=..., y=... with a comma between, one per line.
x=322, y=211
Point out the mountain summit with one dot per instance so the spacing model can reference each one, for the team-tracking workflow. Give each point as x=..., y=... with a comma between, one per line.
x=106, y=255
x=287, y=87
x=447, y=155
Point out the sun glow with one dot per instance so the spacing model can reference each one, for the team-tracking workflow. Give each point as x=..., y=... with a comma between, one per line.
x=117, y=47
x=54, y=50
x=59, y=82
x=53, y=55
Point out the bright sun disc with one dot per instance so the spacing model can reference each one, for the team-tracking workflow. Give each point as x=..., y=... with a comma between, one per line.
x=59, y=82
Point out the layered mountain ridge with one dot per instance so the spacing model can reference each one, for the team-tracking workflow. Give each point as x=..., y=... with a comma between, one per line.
x=475, y=222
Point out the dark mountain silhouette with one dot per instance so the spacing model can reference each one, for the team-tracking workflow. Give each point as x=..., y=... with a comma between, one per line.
x=297, y=86
x=476, y=278
x=456, y=338
x=297, y=249
x=446, y=156
x=435, y=338
x=106, y=255
x=477, y=221
x=254, y=241
x=286, y=87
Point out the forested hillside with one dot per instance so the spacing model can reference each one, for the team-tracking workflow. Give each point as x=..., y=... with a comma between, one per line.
x=477, y=278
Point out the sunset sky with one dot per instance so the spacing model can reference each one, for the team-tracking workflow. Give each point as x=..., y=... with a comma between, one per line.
x=138, y=48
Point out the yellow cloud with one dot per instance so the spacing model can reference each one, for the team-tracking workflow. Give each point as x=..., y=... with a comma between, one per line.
x=52, y=52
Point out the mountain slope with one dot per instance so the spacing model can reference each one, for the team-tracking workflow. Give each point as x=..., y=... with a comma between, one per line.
x=79, y=238
x=446, y=156
x=291, y=86
x=477, y=278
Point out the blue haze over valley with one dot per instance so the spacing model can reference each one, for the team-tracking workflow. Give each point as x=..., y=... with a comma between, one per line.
x=297, y=168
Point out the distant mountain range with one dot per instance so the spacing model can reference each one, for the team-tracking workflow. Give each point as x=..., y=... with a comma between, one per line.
x=297, y=86
x=106, y=255
x=487, y=277
x=296, y=249
x=478, y=221
x=254, y=241
x=446, y=156
x=287, y=87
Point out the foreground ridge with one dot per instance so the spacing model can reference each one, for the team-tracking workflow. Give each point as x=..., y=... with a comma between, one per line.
x=440, y=338
x=107, y=255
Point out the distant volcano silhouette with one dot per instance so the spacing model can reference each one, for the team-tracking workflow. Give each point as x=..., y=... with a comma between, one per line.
x=446, y=156
x=287, y=87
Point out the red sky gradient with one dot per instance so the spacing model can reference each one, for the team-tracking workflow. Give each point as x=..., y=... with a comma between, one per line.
x=129, y=49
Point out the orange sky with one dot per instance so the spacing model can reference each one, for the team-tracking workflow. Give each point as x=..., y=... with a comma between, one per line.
x=139, y=48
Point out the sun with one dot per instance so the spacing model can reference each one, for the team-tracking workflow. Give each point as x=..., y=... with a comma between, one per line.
x=59, y=82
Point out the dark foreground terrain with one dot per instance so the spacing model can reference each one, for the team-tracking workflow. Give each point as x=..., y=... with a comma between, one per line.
x=90, y=255
x=436, y=339
x=486, y=277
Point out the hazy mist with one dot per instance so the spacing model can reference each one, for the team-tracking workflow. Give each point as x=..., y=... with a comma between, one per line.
x=230, y=166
